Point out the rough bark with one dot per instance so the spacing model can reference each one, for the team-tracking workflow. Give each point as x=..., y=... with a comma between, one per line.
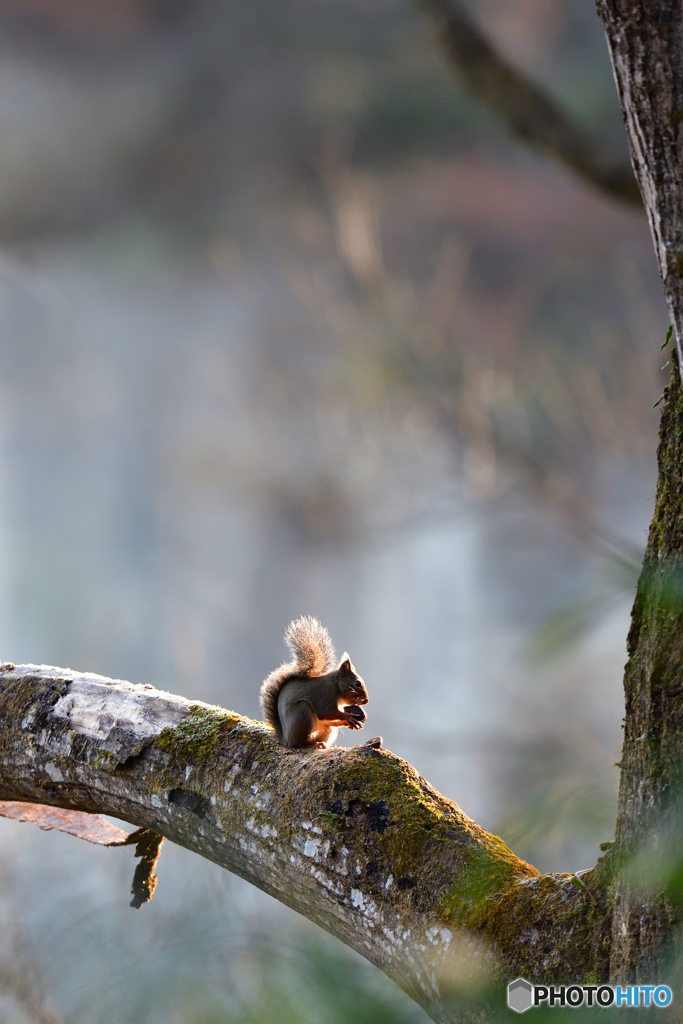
x=648, y=835
x=354, y=839
x=645, y=39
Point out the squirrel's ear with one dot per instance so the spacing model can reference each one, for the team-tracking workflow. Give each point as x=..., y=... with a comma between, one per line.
x=346, y=668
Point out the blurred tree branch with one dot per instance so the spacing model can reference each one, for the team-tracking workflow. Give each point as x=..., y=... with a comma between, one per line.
x=418, y=342
x=523, y=105
x=18, y=982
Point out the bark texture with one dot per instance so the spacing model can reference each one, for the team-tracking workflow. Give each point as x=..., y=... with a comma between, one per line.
x=355, y=840
x=645, y=38
x=648, y=837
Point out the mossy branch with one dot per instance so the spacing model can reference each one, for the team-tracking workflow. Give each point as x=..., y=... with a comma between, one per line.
x=353, y=839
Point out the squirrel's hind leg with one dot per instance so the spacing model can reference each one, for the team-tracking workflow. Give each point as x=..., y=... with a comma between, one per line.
x=297, y=727
x=324, y=736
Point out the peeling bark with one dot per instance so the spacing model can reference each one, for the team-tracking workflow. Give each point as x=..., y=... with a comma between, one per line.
x=91, y=827
x=353, y=839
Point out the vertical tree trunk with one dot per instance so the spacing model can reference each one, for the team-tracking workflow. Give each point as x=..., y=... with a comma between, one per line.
x=648, y=822
x=645, y=39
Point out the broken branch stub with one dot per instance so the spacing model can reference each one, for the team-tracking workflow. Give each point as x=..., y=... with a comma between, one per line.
x=148, y=849
x=353, y=839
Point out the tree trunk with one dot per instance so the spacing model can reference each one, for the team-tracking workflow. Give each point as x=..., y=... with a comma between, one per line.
x=645, y=39
x=646, y=905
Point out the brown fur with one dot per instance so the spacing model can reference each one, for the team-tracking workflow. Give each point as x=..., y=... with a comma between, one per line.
x=313, y=653
x=311, y=704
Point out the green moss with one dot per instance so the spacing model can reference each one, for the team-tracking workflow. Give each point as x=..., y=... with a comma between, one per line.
x=407, y=825
x=413, y=818
x=198, y=736
x=548, y=928
x=200, y=741
x=486, y=873
x=666, y=529
x=651, y=783
x=105, y=760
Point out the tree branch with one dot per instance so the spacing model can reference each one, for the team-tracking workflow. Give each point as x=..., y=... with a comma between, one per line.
x=354, y=839
x=522, y=104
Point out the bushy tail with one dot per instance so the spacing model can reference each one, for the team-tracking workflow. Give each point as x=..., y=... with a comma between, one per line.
x=311, y=646
x=313, y=652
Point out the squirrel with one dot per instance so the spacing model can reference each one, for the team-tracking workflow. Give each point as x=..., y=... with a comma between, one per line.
x=307, y=699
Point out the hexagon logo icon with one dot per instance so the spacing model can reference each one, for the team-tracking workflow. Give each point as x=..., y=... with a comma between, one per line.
x=520, y=995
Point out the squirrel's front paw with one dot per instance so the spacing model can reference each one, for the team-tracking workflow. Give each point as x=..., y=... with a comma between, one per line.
x=355, y=711
x=354, y=716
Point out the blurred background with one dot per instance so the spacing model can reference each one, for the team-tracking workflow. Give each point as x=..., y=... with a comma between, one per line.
x=289, y=323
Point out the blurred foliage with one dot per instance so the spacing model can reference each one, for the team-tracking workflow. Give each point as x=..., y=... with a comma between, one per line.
x=307, y=984
x=577, y=803
x=568, y=625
